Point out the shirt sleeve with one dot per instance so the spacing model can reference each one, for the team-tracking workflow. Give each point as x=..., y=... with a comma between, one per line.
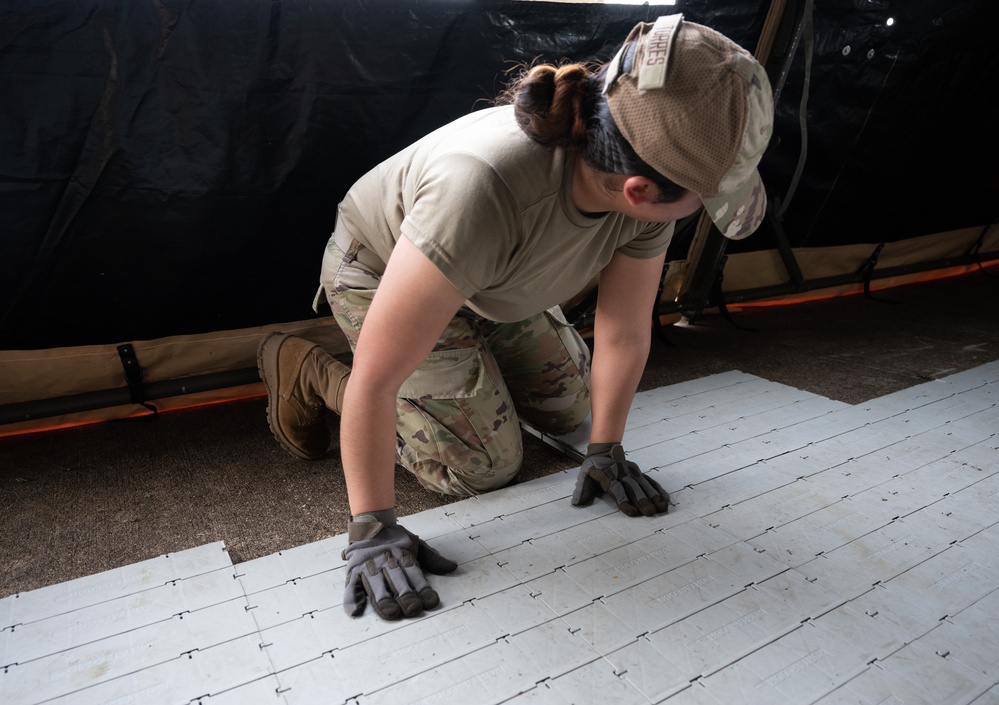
x=651, y=242
x=463, y=218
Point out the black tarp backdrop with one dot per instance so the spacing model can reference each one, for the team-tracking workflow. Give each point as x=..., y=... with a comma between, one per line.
x=902, y=124
x=173, y=167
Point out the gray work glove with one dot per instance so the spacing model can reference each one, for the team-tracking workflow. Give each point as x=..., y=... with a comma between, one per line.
x=386, y=563
x=605, y=469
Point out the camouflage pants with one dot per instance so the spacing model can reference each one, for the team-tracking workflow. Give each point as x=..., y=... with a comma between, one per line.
x=457, y=414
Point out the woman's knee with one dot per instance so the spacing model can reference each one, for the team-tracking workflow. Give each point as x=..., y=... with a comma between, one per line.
x=459, y=470
x=557, y=415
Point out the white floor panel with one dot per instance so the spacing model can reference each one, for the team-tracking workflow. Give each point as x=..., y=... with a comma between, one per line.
x=989, y=698
x=815, y=552
x=119, y=582
x=797, y=668
x=104, y=620
x=595, y=682
x=913, y=674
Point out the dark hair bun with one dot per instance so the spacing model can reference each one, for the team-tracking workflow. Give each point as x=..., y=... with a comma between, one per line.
x=550, y=103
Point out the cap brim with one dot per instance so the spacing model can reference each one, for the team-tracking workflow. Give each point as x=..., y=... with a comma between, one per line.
x=738, y=213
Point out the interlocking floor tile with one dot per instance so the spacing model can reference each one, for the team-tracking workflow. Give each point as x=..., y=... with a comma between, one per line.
x=814, y=552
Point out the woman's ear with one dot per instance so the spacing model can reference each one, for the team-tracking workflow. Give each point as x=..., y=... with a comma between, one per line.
x=639, y=190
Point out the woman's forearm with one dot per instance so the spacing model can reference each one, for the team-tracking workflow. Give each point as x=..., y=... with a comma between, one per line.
x=614, y=377
x=367, y=447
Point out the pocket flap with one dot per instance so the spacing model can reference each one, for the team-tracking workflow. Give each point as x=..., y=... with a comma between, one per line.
x=445, y=374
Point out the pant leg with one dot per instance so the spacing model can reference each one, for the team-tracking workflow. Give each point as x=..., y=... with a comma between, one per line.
x=456, y=424
x=546, y=366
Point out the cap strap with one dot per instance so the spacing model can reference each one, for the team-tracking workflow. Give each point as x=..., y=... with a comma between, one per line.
x=658, y=45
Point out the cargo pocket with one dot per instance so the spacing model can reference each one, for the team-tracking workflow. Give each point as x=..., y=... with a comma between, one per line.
x=446, y=374
x=572, y=341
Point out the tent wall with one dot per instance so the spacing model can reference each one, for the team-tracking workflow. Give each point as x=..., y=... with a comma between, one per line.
x=170, y=169
x=43, y=389
x=840, y=269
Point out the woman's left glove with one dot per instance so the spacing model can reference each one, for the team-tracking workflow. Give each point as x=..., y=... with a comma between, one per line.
x=386, y=563
x=605, y=469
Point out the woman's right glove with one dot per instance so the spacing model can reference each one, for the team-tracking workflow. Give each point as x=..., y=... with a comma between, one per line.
x=386, y=563
x=605, y=469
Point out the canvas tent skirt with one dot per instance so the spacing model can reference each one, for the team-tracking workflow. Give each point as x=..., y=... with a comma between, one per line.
x=458, y=414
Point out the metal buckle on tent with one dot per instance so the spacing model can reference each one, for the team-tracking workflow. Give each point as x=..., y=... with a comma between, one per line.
x=866, y=271
x=133, y=376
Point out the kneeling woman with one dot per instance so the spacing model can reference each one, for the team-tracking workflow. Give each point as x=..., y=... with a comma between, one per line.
x=448, y=262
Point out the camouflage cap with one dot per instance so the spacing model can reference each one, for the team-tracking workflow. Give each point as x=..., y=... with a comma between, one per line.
x=697, y=108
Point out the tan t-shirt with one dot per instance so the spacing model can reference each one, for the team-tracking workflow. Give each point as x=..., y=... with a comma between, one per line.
x=493, y=211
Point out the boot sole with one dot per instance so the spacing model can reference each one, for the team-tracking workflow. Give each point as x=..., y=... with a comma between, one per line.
x=267, y=355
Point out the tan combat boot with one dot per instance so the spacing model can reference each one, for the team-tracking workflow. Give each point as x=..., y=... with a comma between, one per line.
x=302, y=382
